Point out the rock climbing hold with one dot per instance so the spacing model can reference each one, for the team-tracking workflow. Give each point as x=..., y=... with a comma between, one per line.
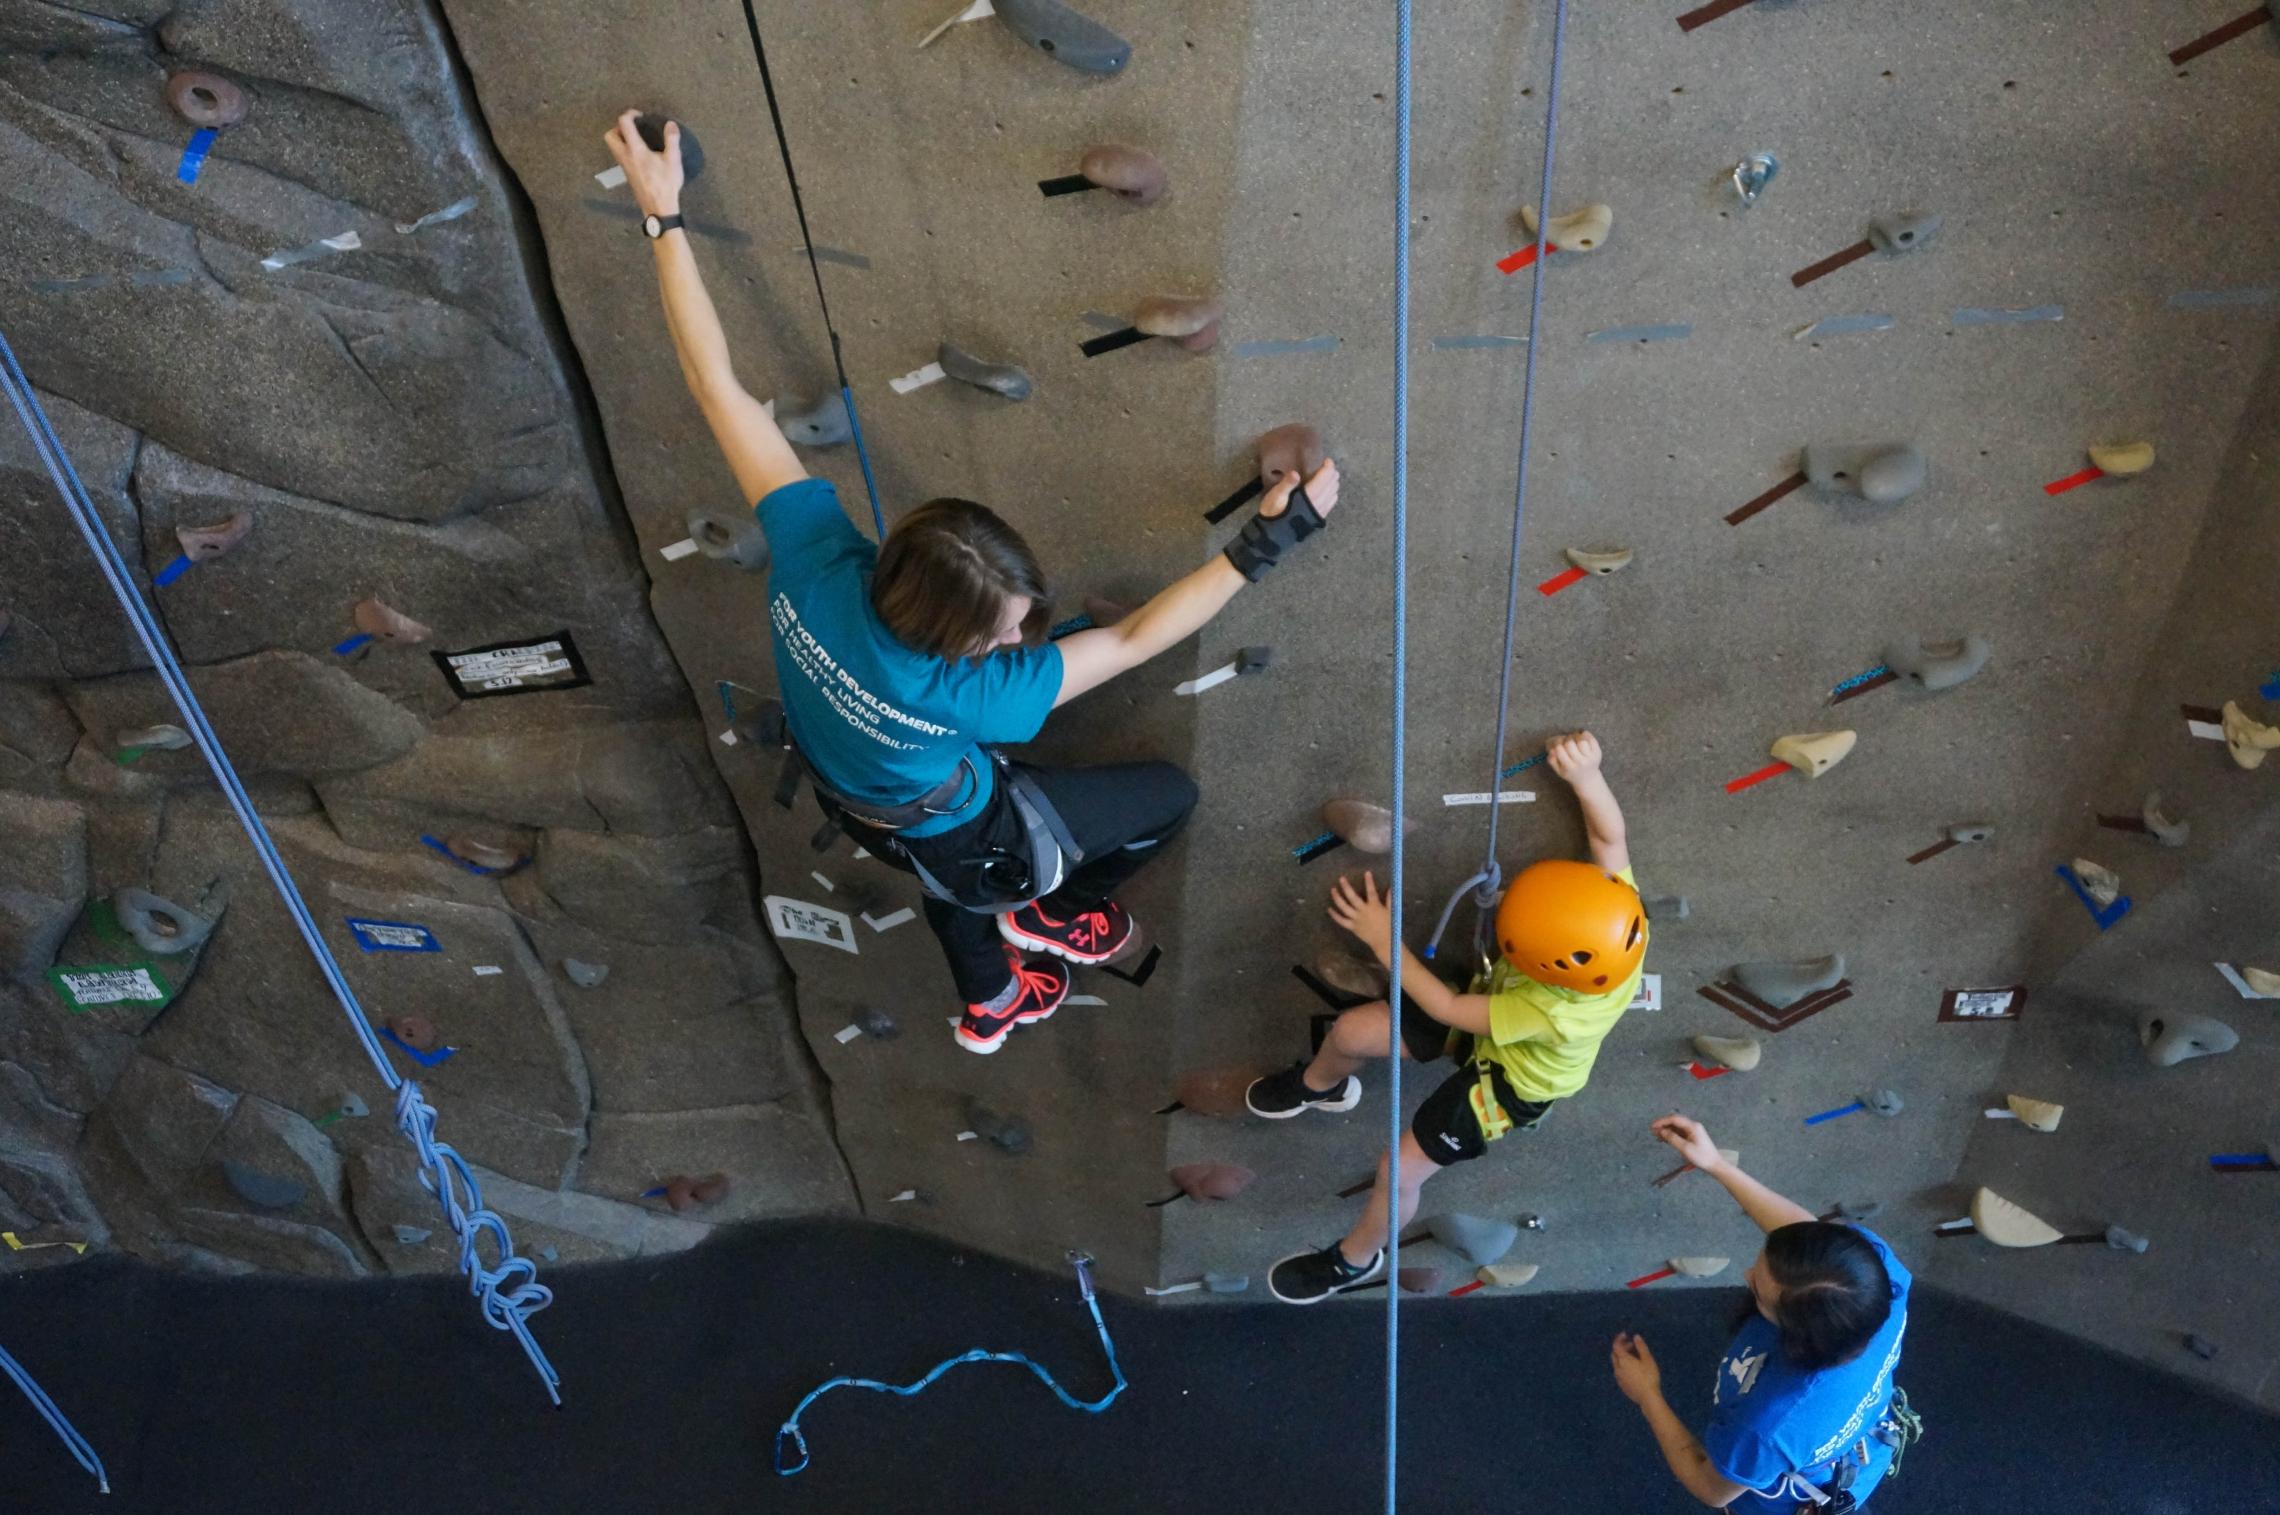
x=2162, y=829
x=415, y=1031
x=1008, y=1133
x=2035, y=1114
x=1477, y=1240
x=1904, y=232
x=685, y=1193
x=1508, y=1275
x=2170, y=1039
x=1253, y=660
x=159, y=925
x=2123, y=459
x=204, y=99
x=1420, y=1280
x=1883, y=474
x=1226, y=1283
x=1971, y=831
x=2199, y=1346
x=1129, y=173
x=1753, y=174
x=1938, y=665
x=1599, y=562
x=1295, y=448
x=1359, y=976
x=2247, y=740
x=261, y=1190
x=1193, y=321
x=1698, y=1267
x=2101, y=884
x=202, y=542
x=1740, y=1053
x=1579, y=231
x=384, y=624
x=1363, y=826
x=2125, y=1241
x=1814, y=753
x=1782, y=984
x=878, y=1025
x=483, y=855
x=585, y=975
x=1214, y=1091
x=1853, y=1214
x=354, y=1107
x=1212, y=1181
x=652, y=129
x=2006, y=1225
x=411, y=1236
x=998, y=378
x=2264, y=983
x=1882, y=1102
x=160, y=738
x=734, y=538
x=825, y=423
x=1065, y=36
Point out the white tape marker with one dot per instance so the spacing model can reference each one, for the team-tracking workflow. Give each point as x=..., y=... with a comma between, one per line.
x=889, y=922
x=611, y=177
x=1954, y=1225
x=488, y=972
x=451, y=212
x=673, y=552
x=968, y=1136
x=2205, y=731
x=846, y=1033
x=1502, y=797
x=2000, y=1114
x=828, y=886
x=973, y=12
x=917, y=378
x=728, y=739
x=347, y=241
x=862, y=853
x=2240, y=985
x=1084, y=999
x=1154, y=1293
x=1211, y=680
x=907, y=1194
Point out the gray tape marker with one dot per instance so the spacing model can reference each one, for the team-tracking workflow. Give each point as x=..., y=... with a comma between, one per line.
x=1642, y=333
x=451, y=212
x=1459, y=344
x=1285, y=349
x=1845, y=326
x=2010, y=317
x=2189, y=299
x=1104, y=320
x=105, y=281
x=837, y=255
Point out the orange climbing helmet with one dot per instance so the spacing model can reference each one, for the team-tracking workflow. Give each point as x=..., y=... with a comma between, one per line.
x=1572, y=925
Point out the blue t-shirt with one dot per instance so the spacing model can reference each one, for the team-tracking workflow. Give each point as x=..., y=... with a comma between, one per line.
x=880, y=721
x=1774, y=1419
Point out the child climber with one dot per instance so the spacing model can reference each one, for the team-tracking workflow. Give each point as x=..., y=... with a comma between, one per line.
x=1574, y=942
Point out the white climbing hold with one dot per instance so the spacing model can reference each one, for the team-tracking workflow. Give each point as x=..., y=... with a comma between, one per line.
x=1740, y=1053
x=1508, y=1275
x=2101, y=884
x=1580, y=230
x=2246, y=739
x=1814, y=753
x=2006, y=1225
x=1609, y=561
x=1698, y=1267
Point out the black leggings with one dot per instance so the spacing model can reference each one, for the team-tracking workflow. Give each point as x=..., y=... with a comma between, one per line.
x=1118, y=814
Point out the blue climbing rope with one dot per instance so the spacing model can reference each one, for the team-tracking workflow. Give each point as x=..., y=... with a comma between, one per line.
x=57, y=1422
x=509, y=1292
x=1078, y=1260
x=1483, y=886
x=1394, y=875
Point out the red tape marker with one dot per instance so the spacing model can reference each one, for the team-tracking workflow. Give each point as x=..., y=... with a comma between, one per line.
x=1560, y=581
x=1701, y=1072
x=1476, y=1284
x=1769, y=771
x=1513, y=263
x=2073, y=481
x=1647, y=1278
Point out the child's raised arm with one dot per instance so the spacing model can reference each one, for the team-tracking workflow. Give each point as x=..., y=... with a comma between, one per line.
x=1575, y=758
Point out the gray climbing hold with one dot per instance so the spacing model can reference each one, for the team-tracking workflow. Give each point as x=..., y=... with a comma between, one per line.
x=733, y=538
x=548, y=1254
x=1008, y=1133
x=652, y=129
x=1971, y=831
x=1903, y=233
x=2125, y=1241
x=353, y=1107
x=1226, y=1283
x=2172, y=1039
x=1254, y=660
x=1350, y=973
x=159, y=926
x=1476, y=1240
x=2160, y=827
x=2200, y=1346
x=822, y=424
x=1884, y=473
x=1208, y=1181
x=261, y=1190
x=411, y=1236
x=159, y=738
x=1191, y=320
x=585, y=975
x=1295, y=448
x=1130, y=173
x=1882, y=1102
x=1065, y=36
x=1668, y=907
x=1530, y=1222
x=1784, y=984
x=1938, y=665
x=998, y=378
x=878, y=1024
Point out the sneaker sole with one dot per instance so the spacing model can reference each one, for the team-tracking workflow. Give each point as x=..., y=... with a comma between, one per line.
x=1027, y=943
x=1367, y=1278
x=1331, y=1106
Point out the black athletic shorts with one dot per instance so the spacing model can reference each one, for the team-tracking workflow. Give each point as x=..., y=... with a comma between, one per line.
x=1447, y=1126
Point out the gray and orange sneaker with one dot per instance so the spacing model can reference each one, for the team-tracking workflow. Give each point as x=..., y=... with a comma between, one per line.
x=1038, y=991
x=1089, y=936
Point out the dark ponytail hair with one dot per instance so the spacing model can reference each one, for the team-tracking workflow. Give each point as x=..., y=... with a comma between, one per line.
x=945, y=573
x=1835, y=1293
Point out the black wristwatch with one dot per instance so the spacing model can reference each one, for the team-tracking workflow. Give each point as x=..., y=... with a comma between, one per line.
x=657, y=226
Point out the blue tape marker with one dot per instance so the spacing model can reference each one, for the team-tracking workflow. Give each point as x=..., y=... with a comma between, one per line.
x=393, y=936
x=2196, y=299
x=1858, y=679
x=1284, y=349
x=1642, y=333
x=2240, y=1160
x=424, y=1059
x=1524, y=765
x=172, y=571
x=2104, y=915
x=1307, y=852
x=1461, y=344
x=2270, y=688
x=1975, y=317
x=194, y=154
x=656, y=1193
x=1826, y=1115
x=361, y=639
x=1845, y=326
x=1073, y=623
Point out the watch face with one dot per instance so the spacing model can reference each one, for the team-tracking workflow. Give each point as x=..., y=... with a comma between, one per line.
x=651, y=225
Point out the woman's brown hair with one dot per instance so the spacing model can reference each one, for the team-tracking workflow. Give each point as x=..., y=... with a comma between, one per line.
x=945, y=573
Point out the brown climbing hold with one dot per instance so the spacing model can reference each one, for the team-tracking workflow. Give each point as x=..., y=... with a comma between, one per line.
x=1294, y=448
x=1578, y=231
x=1207, y=1181
x=203, y=99
x=383, y=624
x=202, y=542
x=1130, y=173
x=1192, y=321
x=414, y=1031
x=1814, y=753
x=1363, y=826
x=2246, y=739
x=1420, y=1280
x=2123, y=459
x=1214, y=1091
x=685, y=1193
x=1354, y=975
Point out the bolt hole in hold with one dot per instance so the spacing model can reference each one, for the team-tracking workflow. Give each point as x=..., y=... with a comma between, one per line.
x=203, y=99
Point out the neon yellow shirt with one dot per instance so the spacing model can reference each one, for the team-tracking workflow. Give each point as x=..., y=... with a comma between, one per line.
x=1546, y=1038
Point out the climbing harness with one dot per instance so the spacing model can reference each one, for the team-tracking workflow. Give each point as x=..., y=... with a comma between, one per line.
x=1081, y=1261
x=1900, y=1428
x=807, y=245
x=508, y=1291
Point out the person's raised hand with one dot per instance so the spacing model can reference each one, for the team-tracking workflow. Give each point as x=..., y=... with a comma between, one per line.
x=1573, y=756
x=1688, y=1138
x=1322, y=490
x=1637, y=1373
x=654, y=177
x=1365, y=913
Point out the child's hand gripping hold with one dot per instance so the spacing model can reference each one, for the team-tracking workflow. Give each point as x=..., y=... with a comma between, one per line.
x=1364, y=913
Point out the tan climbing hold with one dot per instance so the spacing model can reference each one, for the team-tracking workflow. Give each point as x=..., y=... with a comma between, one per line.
x=2006, y=1225
x=1577, y=231
x=2035, y=1114
x=1698, y=1267
x=1814, y=753
x=1355, y=975
x=482, y=854
x=2264, y=983
x=2102, y=884
x=1600, y=562
x=2248, y=740
x=1740, y=1053
x=202, y=542
x=1363, y=826
x=377, y=620
x=1507, y=1275
x=1191, y=321
x=2123, y=459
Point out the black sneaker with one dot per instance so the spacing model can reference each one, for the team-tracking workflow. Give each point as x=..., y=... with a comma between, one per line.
x=1279, y=1096
x=1082, y=936
x=1308, y=1278
x=1042, y=987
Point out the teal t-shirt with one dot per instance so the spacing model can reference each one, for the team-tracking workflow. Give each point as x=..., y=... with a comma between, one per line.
x=877, y=720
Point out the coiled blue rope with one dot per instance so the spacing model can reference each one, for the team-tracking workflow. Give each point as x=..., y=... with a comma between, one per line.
x=1394, y=880
x=1083, y=1264
x=443, y=1173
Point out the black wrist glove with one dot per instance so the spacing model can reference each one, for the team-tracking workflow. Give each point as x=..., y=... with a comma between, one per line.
x=1264, y=539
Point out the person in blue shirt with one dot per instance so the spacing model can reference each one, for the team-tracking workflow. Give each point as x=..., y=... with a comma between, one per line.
x=1804, y=1413
x=904, y=665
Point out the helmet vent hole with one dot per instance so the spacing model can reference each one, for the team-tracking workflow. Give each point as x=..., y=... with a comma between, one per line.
x=1581, y=957
x=1632, y=940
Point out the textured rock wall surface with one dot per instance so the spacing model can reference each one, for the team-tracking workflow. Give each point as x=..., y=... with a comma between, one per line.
x=389, y=405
